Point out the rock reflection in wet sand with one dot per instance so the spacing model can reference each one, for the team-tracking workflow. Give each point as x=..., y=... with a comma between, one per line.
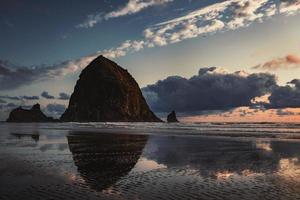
x=124, y=166
x=102, y=160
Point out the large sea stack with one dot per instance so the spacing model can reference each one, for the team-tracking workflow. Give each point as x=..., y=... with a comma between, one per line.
x=105, y=92
x=32, y=115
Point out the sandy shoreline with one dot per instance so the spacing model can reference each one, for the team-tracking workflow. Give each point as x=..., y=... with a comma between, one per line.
x=63, y=164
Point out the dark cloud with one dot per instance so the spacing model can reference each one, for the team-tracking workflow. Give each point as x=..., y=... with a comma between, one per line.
x=19, y=98
x=8, y=106
x=30, y=97
x=10, y=97
x=27, y=106
x=4, y=71
x=11, y=105
x=46, y=95
x=64, y=96
x=56, y=109
x=282, y=112
x=286, y=96
x=209, y=90
x=295, y=82
x=2, y=101
x=46, y=147
x=13, y=76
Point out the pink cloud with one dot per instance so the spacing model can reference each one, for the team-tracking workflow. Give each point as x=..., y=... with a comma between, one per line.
x=290, y=61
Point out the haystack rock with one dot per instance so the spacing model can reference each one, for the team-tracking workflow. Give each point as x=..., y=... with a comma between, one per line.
x=32, y=115
x=172, y=117
x=105, y=92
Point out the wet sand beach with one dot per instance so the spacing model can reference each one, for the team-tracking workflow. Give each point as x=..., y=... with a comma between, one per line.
x=67, y=161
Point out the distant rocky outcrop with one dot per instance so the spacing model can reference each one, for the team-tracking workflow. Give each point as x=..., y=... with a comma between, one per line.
x=107, y=92
x=32, y=115
x=172, y=117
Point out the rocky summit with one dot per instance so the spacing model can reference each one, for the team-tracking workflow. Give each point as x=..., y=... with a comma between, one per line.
x=32, y=115
x=107, y=92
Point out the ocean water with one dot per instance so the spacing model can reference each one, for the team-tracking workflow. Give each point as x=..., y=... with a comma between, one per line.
x=150, y=161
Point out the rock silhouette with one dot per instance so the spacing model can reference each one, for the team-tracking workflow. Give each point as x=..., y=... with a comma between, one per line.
x=107, y=92
x=103, y=159
x=32, y=115
x=172, y=117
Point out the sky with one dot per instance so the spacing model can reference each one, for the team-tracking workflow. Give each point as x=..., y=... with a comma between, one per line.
x=210, y=60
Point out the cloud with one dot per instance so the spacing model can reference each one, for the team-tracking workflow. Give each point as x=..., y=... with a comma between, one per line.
x=10, y=97
x=2, y=101
x=123, y=49
x=19, y=98
x=289, y=7
x=132, y=7
x=64, y=96
x=11, y=105
x=30, y=97
x=46, y=95
x=293, y=59
x=283, y=112
x=246, y=112
x=7, y=107
x=211, y=89
x=288, y=62
x=227, y=15
x=55, y=109
x=13, y=76
x=286, y=96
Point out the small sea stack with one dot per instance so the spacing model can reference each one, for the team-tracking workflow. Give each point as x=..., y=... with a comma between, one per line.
x=29, y=115
x=172, y=117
